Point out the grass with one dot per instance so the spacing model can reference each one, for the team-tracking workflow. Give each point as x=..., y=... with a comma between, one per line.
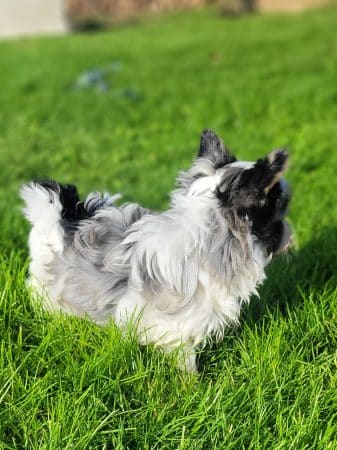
x=262, y=82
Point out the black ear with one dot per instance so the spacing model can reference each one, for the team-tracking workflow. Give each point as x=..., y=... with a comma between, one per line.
x=212, y=147
x=268, y=171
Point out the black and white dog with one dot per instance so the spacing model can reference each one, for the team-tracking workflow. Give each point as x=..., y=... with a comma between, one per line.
x=185, y=273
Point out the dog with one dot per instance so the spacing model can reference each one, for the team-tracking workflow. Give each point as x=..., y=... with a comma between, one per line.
x=181, y=276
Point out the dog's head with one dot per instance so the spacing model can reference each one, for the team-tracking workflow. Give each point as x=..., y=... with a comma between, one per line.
x=252, y=195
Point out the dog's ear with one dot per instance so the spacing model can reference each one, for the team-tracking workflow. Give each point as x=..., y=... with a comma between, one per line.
x=212, y=148
x=210, y=144
x=266, y=172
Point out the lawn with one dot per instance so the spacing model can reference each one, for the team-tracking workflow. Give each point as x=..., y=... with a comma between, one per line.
x=261, y=82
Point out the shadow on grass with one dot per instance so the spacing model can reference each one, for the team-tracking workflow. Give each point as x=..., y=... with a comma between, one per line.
x=290, y=278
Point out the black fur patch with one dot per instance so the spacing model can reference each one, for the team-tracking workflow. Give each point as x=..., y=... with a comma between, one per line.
x=270, y=236
x=48, y=185
x=243, y=195
x=265, y=171
x=267, y=221
x=68, y=195
x=72, y=209
x=274, y=207
x=75, y=210
x=69, y=198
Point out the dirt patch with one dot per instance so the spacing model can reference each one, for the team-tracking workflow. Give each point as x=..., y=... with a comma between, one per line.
x=288, y=5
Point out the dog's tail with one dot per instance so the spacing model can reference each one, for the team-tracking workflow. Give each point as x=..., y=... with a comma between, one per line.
x=54, y=209
x=47, y=201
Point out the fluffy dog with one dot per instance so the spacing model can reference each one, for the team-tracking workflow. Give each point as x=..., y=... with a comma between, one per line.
x=181, y=276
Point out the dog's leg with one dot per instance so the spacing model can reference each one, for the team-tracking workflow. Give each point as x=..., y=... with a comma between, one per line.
x=185, y=354
x=187, y=359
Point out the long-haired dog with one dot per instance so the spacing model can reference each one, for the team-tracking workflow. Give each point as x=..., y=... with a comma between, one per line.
x=182, y=275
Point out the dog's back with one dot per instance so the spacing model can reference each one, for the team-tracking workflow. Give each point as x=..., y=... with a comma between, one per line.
x=75, y=248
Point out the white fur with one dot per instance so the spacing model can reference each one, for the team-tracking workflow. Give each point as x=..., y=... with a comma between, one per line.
x=182, y=301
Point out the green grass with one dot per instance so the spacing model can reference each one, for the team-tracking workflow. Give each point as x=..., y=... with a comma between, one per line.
x=261, y=82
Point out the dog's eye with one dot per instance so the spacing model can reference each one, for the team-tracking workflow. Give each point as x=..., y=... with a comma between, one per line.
x=243, y=214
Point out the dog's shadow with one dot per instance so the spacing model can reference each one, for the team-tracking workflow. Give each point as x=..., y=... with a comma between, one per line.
x=289, y=279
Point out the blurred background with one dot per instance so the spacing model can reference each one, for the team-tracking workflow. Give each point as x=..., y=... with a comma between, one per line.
x=113, y=95
x=22, y=17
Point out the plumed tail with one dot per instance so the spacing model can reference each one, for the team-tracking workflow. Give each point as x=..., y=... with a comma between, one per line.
x=55, y=212
x=48, y=202
x=43, y=203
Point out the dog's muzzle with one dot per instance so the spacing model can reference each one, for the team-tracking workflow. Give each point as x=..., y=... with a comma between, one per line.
x=282, y=210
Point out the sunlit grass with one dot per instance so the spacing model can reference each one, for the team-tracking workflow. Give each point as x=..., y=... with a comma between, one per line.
x=261, y=82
